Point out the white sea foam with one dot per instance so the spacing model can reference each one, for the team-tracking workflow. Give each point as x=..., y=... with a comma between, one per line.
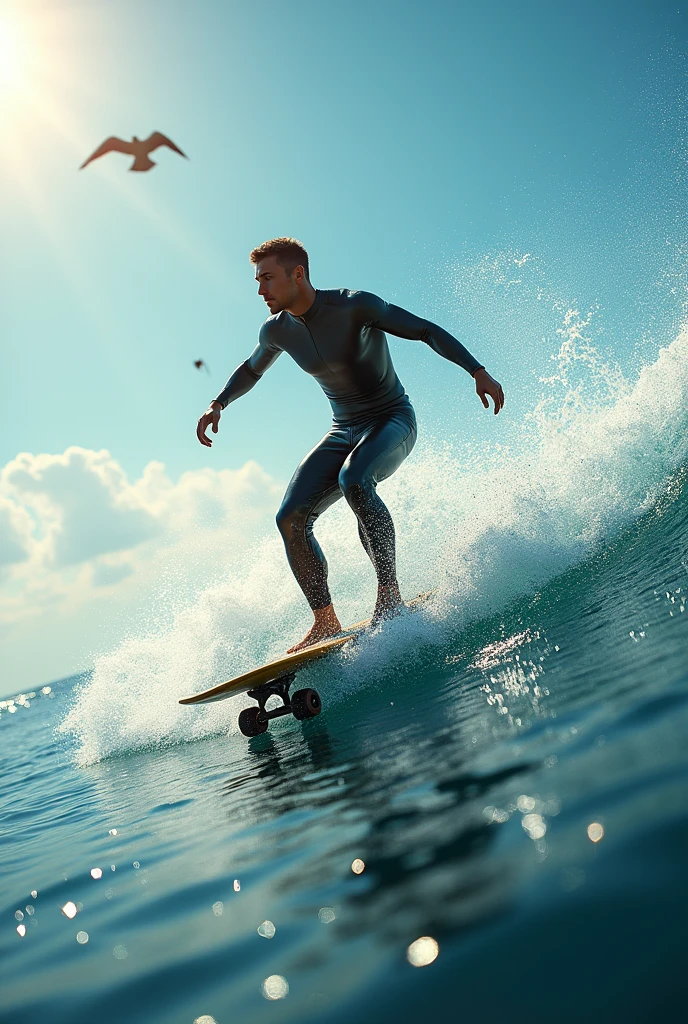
x=482, y=528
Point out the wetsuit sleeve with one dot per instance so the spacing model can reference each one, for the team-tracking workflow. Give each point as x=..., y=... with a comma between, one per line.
x=401, y=323
x=249, y=373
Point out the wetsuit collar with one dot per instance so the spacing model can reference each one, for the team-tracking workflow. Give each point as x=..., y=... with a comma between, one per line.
x=312, y=310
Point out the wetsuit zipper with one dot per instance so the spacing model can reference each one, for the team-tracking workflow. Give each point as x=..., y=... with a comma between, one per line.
x=317, y=351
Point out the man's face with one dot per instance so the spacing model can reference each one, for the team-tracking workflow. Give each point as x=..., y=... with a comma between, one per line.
x=278, y=288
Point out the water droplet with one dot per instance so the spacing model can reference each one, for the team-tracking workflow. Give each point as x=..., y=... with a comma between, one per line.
x=595, y=832
x=326, y=915
x=96, y=873
x=275, y=987
x=266, y=930
x=70, y=910
x=34, y=893
x=534, y=825
x=29, y=910
x=19, y=915
x=237, y=885
x=423, y=951
x=82, y=938
x=120, y=953
x=205, y=1018
x=218, y=908
x=497, y=814
x=136, y=865
x=113, y=832
x=358, y=866
x=21, y=929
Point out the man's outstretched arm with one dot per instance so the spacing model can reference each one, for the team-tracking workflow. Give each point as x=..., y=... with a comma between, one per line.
x=240, y=383
x=400, y=322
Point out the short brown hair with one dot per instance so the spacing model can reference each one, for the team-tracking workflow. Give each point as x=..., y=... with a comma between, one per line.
x=289, y=252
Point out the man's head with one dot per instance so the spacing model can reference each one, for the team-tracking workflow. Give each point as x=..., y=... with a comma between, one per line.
x=282, y=274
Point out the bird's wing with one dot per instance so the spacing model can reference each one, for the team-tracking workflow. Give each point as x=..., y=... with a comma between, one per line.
x=156, y=139
x=113, y=143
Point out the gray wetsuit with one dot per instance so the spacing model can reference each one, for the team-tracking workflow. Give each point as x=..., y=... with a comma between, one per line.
x=341, y=342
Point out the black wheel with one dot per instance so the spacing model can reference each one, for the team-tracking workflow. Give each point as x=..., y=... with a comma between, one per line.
x=306, y=704
x=250, y=724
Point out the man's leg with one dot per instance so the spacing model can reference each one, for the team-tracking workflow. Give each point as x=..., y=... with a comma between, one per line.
x=312, y=489
x=378, y=453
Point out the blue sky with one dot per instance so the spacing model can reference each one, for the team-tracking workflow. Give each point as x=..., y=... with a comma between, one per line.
x=408, y=145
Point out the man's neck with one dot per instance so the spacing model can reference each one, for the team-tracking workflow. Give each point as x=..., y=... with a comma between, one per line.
x=304, y=302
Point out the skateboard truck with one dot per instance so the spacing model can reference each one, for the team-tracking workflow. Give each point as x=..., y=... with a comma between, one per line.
x=303, y=704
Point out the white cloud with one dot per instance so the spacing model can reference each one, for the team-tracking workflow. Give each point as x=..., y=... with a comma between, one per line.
x=85, y=553
x=15, y=533
x=82, y=501
x=74, y=508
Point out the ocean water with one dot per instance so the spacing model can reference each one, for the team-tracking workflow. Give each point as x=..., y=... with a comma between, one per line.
x=487, y=822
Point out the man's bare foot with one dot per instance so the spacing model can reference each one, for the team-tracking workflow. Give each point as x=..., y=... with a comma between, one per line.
x=388, y=604
x=326, y=625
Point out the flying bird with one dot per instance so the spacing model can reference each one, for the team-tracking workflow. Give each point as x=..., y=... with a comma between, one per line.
x=138, y=148
x=201, y=365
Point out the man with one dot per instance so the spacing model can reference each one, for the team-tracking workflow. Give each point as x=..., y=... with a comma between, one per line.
x=338, y=337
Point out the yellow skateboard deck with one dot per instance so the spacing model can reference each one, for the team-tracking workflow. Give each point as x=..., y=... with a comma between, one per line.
x=290, y=664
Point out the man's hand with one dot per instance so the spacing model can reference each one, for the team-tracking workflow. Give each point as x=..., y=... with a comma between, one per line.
x=486, y=385
x=211, y=415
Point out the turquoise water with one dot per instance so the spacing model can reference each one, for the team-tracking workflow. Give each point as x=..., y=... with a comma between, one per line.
x=507, y=770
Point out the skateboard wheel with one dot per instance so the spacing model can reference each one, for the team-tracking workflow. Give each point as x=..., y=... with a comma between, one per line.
x=306, y=704
x=250, y=724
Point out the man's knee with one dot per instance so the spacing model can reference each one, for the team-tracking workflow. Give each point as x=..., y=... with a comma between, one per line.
x=354, y=487
x=290, y=520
